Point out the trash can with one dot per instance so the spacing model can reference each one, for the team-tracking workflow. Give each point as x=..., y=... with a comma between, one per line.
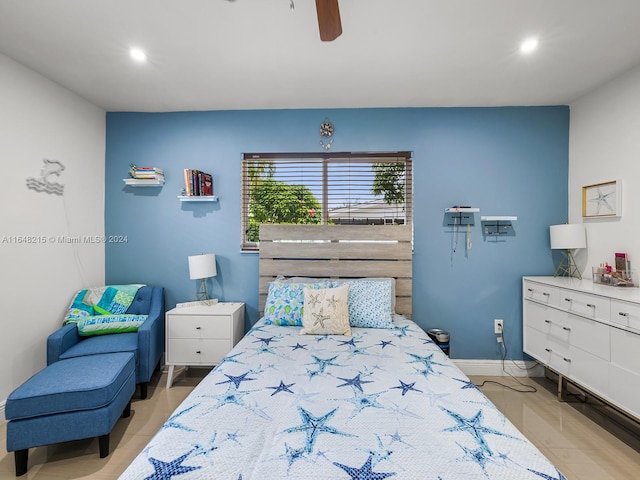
x=441, y=338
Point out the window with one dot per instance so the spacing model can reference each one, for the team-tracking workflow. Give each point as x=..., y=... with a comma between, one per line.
x=328, y=188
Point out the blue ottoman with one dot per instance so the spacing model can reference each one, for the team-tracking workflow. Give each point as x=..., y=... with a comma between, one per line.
x=71, y=399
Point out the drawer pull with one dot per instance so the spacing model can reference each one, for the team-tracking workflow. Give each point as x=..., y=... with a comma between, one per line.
x=198, y=328
x=547, y=321
x=566, y=328
x=547, y=350
x=591, y=305
x=530, y=290
x=568, y=300
x=568, y=360
x=546, y=294
x=624, y=314
x=198, y=351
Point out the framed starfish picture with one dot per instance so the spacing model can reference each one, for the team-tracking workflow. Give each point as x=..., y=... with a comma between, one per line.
x=602, y=199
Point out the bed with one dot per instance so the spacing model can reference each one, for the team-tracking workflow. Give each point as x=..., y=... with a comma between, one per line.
x=373, y=403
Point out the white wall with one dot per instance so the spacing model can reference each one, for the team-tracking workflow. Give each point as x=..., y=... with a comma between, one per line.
x=40, y=119
x=604, y=145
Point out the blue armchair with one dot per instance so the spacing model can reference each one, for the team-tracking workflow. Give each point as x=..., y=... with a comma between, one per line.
x=147, y=344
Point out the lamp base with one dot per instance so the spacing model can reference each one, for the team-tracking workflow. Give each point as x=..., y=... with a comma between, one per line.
x=568, y=267
x=202, y=295
x=201, y=292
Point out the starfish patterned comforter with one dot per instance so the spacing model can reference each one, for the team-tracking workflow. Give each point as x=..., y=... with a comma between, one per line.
x=383, y=403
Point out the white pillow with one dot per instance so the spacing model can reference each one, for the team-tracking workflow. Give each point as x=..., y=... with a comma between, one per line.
x=326, y=311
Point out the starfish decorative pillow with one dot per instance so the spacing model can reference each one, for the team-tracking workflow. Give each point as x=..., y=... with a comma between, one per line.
x=326, y=311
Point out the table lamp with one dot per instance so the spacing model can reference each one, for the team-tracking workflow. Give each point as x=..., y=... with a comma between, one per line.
x=568, y=237
x=201, y=267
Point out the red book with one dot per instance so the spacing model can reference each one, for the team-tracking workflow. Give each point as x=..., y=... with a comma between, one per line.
x=207, y=188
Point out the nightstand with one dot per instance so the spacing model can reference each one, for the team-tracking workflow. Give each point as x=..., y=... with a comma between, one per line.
x=202, y=335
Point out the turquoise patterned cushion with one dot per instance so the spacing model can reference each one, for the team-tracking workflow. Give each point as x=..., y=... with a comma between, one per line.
x=370, y=303
x=285, y=302
x=106, y=324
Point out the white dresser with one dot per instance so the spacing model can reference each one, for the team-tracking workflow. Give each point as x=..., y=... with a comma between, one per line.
x=588, y=334
x=202, y=335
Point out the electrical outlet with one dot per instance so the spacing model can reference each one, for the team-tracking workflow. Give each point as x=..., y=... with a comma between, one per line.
x=497, y=326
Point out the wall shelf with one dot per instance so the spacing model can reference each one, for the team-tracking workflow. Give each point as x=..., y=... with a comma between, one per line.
x=461, y=209
x=497, y=224
x=143, y=182
x=460, y=215
x=498, y=218
x=198, y=198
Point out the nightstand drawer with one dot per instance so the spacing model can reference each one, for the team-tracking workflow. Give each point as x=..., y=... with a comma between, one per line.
x=202, y=334
x=198, y=326
x=197, y=352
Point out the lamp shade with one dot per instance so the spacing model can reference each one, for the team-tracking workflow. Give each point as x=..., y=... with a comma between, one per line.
x=567, y=236
x=202, y=266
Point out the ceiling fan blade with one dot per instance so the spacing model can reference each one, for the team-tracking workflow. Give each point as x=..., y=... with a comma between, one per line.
x=328, y=19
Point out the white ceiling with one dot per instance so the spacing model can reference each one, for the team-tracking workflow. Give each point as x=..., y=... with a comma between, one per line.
x=260, y=54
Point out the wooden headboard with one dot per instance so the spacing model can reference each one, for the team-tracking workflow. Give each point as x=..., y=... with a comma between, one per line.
x=339, y=251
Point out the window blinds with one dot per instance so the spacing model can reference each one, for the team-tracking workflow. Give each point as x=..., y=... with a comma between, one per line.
x=328, y=188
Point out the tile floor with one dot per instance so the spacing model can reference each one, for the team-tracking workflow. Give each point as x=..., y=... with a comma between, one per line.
x=578, y=438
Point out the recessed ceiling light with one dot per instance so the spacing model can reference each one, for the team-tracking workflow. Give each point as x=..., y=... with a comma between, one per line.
x=138, y=55
x=529, y=45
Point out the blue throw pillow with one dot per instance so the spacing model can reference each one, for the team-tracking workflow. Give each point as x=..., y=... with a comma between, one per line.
x=370, y=303
x=285, y=302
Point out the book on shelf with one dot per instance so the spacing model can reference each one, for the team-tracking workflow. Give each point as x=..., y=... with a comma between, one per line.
x=197, y=183
x=152, y=173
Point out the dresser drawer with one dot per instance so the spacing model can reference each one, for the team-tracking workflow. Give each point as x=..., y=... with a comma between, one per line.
x=589, y=370
x=196, y=352
x=550, y=352
x=591, y=306
x=198, y=326
x=583, y=333
x=626, y=314
x=538, y=316
x=623, y=390
x=559, y=355
x=624, y=351
x=541, y=293
x=534, y=344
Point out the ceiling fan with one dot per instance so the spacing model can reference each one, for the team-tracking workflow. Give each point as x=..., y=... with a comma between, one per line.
x=328, y=19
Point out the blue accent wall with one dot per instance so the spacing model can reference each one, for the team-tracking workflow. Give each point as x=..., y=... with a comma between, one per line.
x=505, y=161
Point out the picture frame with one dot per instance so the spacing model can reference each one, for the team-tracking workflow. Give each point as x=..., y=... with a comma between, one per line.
x=602, y=199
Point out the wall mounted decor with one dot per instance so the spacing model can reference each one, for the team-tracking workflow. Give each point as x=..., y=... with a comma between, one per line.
x=326, y=132
x=456, y=217
x=602, y=199
x=497, y=224
x=42, y=183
